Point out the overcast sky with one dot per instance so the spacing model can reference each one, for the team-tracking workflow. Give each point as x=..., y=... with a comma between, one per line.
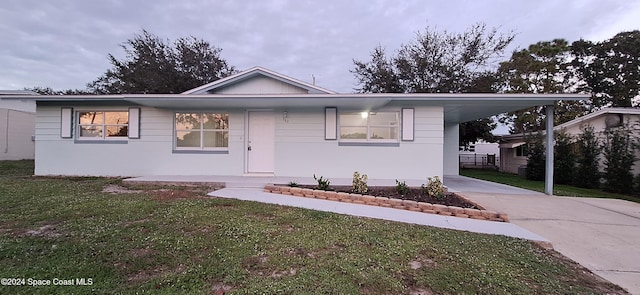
x=64, y=43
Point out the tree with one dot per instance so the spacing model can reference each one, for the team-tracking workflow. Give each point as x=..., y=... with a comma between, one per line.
x=438, y=62
x=588, y=158
x=153, y=65
x=377, y=75
x=564, y=158
x=611, y=68
x=51, y=91
x=536, y=160
x=471, y=131
x=544, y=67
x=619, y=156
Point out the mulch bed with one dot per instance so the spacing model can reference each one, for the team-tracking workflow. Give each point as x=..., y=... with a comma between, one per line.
x=414, y=194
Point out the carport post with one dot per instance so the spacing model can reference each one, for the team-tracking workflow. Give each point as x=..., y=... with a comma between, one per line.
x=548, y=182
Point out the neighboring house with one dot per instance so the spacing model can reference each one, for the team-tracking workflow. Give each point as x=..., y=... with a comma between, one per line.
x=513, y=152
x=480, y=154
x=17, y=125
x=259, y=122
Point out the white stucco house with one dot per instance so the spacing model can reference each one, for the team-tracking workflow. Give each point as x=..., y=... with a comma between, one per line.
x=17, y=125
x=259, y=122
x=513, y=153
x=480, y=154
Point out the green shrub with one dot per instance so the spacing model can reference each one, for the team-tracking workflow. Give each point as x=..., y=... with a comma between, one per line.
x=434, y=187
x=588, y=159
x=401, y=187
x=619, y=156
x=323, y=183
x=293, y=184
x=536, y=165
x=359, y=184
x=564, y=159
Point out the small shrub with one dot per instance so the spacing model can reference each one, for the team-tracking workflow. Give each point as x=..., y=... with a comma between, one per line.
x=434, y=187
x=293, y=184
x=359, y=183
x=401, y=187
x=323, y=183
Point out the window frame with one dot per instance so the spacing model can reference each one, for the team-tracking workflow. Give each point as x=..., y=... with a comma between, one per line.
x=369, y=126
x=522, y=151
x=202, y=131
x=104, y=125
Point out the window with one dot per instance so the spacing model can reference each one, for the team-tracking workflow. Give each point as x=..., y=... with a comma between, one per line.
x=369, y=127
x=103, y=125
x=201, y=131
x=522, y=151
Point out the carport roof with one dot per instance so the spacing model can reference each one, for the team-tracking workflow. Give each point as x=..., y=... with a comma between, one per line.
x=458, y=107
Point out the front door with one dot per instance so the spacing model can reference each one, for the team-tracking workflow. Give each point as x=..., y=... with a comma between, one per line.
x=260, y=142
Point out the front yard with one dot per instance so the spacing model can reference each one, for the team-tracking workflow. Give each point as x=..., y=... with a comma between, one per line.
x=175, y=240
x=559, y=189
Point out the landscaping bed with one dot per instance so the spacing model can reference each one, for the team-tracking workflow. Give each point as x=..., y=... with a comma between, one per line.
x=413, y=194
x=450, y=204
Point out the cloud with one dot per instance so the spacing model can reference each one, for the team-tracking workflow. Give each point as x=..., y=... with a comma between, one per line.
x=64, y=43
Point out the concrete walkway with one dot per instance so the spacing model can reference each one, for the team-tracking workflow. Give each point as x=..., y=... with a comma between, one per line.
x=602, y=235
x=457, y=223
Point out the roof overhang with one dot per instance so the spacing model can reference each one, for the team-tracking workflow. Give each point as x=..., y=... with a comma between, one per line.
x=510, y=145
x=458, y=107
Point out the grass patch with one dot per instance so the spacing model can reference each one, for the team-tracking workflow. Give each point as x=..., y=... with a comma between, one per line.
x=140, y=243
x=559, y=189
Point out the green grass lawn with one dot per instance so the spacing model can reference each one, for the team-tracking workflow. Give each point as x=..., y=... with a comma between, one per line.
x=559, y=189
x=175, y=241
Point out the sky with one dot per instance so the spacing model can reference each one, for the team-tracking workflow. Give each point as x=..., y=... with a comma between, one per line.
x=64, y=44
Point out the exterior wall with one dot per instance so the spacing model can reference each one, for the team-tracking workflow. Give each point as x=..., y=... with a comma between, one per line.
x=451, y=146
x=152, y=154
x=27, y=106
x=300, y=149
x=17, y=127
x=16, y=132
x=261, y=85
x=483, y=147
x=509, y=162
x=599, y=126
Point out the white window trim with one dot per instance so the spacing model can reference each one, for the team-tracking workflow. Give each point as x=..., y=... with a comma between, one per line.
x=368, y=140
x=104, y=137
x=201, y=148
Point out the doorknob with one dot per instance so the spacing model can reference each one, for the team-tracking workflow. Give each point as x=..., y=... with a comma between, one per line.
x=249, y=148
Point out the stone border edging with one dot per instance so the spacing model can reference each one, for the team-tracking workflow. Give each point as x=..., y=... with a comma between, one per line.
x=480, y=214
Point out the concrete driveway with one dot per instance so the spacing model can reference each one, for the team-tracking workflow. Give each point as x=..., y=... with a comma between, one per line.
x=603, y=235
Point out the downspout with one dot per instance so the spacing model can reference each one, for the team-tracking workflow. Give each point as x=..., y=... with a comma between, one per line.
x=548, y=182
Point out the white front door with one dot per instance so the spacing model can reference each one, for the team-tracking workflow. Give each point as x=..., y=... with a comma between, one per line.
x=260, y=142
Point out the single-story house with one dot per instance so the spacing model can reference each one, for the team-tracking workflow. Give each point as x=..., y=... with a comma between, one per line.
x=513, y=153
x=18, y=125
x=259, y=122
x=481, y=154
